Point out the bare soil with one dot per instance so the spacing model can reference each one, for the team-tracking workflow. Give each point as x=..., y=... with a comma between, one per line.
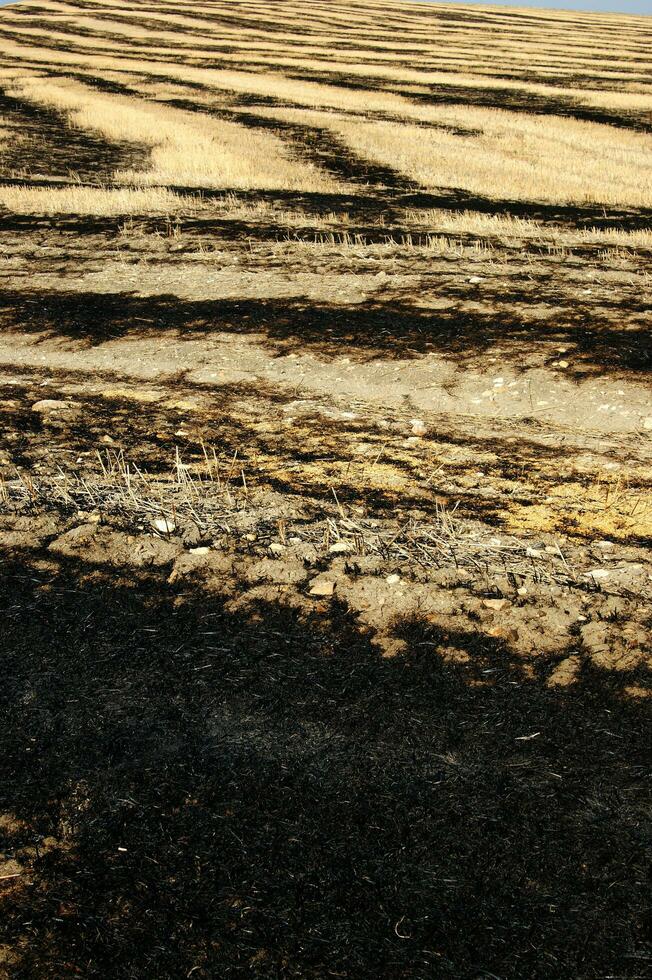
x=369, y=704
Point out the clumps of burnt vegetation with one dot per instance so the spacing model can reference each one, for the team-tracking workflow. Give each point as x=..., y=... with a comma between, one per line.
x=199, y=792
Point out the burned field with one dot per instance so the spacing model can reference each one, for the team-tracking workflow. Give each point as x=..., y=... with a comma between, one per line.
x=325, y=514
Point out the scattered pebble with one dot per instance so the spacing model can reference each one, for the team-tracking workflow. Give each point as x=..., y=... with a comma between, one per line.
x=418, y=427
x=164, y=525
x=340, y=547
x=393, y=579
x=53, y=405
x=496, y=604
x=647, y=423
x=322, y=587
x=199, y=551
x=277, y=549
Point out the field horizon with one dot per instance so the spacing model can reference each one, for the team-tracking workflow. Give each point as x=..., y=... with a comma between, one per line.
x=325, y=512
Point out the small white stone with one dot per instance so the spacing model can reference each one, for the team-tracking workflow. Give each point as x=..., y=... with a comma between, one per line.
x=340, y=547
x=418, y=427
x=495, y=604
x=393, y=579
x=647, y=423
x=164, y=525
x=322, y=588
x=53, y=405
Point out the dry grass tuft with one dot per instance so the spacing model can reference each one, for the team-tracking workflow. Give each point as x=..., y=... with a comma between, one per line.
x=215, y=497
x=100, y=201
x=507, y=228
x=509, y=156
x=186, y=150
